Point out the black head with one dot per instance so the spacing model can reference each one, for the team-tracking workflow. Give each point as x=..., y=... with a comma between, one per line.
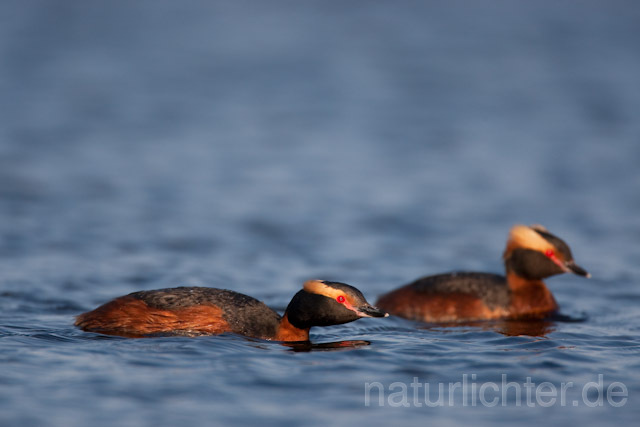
x=323, y=303
x=534, y=253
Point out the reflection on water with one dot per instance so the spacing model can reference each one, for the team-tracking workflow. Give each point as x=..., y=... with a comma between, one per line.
x=327, y=346
x=533, y=328
x=528, y=327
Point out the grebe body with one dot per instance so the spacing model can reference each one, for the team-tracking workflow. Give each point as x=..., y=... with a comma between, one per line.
x=208, y=311
x=532, y=254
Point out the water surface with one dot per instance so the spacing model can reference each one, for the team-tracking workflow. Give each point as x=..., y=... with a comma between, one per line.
x=251, y=147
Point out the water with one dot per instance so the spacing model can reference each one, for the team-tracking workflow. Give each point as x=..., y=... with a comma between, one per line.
x=252, y=146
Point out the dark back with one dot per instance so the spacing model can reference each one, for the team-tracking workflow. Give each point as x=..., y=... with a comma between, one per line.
x=244, y=314
x=491, y=288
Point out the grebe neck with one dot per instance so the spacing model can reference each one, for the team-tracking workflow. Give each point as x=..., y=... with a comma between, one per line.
x=287, y=332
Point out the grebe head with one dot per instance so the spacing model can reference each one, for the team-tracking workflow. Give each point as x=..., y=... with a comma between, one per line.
x=534, y=253
x=323, y=303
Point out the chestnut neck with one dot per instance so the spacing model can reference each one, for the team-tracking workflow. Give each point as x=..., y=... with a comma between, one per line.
x=530, y=297
x=287, y=332
x=518, y=283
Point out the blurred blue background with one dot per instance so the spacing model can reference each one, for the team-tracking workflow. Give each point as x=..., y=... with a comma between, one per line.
x=253, y=145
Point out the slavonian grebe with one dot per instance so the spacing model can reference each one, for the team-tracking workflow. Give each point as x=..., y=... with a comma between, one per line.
x=207, y=311
x=532, y=254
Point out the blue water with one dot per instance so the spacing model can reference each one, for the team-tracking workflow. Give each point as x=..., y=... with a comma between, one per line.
x=253, y=145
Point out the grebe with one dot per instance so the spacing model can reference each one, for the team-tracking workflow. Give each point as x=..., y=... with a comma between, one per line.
x=195, y=311
x=532, y=254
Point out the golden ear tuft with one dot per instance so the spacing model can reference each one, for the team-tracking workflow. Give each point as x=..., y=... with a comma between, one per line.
x=320, y=288
x=525, y=237
x=313, y=286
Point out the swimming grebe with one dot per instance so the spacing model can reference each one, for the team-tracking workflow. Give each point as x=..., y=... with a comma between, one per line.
x=207, y=311
x=532, y=254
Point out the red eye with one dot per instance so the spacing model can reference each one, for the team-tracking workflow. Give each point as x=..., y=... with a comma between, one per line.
x=340, y=299
x=549, y=253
